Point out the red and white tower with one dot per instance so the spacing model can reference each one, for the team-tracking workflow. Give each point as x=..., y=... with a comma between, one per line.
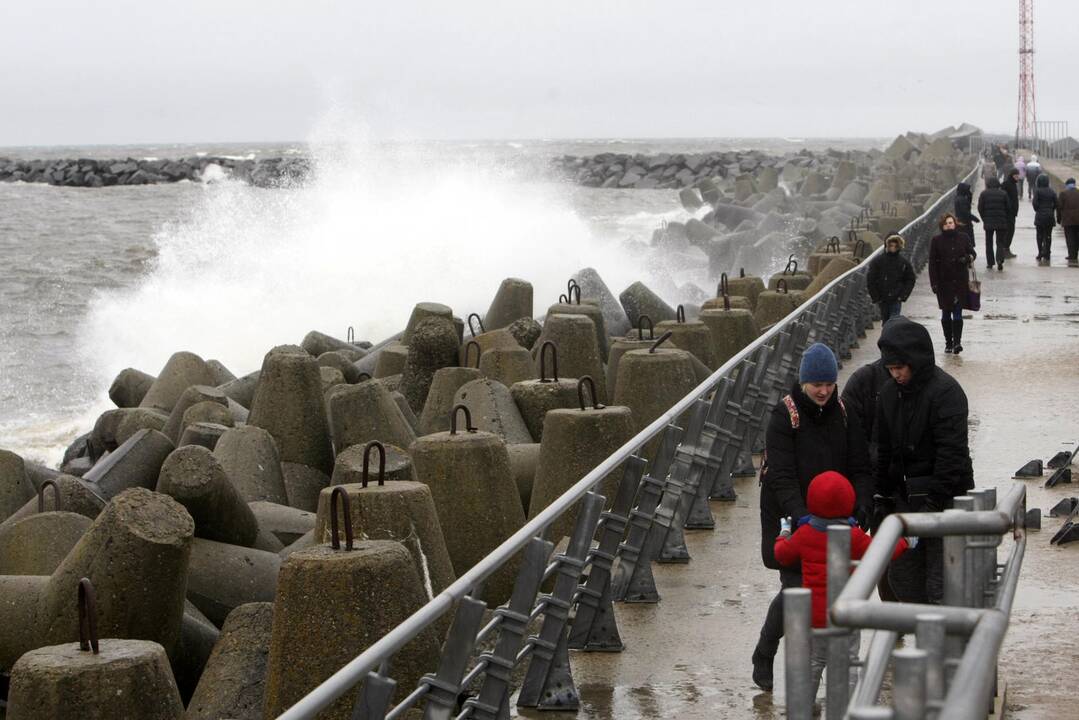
x=1024, y=127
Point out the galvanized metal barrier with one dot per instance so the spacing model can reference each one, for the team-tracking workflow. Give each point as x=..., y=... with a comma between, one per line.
x=951, y=673
x=609, y=557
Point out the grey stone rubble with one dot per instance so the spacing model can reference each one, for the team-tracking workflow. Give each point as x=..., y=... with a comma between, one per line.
x=86, y=172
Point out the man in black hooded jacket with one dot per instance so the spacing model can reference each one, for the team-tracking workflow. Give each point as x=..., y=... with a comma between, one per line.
x=923, y=456
x=995, y=207
x=1011, y=187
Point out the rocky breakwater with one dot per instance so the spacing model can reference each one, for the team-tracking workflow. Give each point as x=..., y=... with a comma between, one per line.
x=754, y=210
x=95, y=173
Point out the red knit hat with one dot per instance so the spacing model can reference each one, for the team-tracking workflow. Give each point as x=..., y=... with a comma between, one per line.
x=830, y=495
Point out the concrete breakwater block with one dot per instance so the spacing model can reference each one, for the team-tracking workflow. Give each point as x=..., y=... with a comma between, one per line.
x=735, y=302
x=288, y=404
x=507, y=366
x=37, y=544
x=316, y=343
x=489, y=340
x=535, y=398
x=639, y=300
x=423, y=311
x=444, y=386
x=578, y=350
x=365, y=412
x=340, y=361
x=126, y=679
x=287, y=524
x=242, y=389
x=303, y=484
x=203, y=434
x=525, y=331
x=75, y=496
x=400, y=511
x=136, y=463
x=182, y=370
x=136, y=555
x=221, y=373
x=129, y=387
x=574, y=442
x=693, y=336
x=136, y=419
x=433, y=346
x=828, y=273
x=197, y=639
x=619, y=347
x=512, y=301
x=391, y=360
x=650, y=382
x=594, y=288
x=476, y=499
x=195, y=478
x=234, y=680
x=189, y=398
x=349, y=465
x=493, y=410
x=747, y=286
x=590, y=311
x=249, y=457
x=222, y=577
x=523, y=462
x=795, y=280
x=731, y=331
x=15, y=486
x=774, y=305
x=362, y=593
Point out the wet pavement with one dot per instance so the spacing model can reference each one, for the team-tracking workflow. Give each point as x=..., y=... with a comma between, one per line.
x=688, y=656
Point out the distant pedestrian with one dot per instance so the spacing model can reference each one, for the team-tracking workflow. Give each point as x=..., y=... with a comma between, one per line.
x=1034, y=169
x=964, y=199
x=1010, y=185
x=830, y=499
x=809, y=431
x=989, y=171
x=994, y=205
x=1021, y=166
x=1068, y=217
x=890, y=279
x=1045, y=213
x=950, y=255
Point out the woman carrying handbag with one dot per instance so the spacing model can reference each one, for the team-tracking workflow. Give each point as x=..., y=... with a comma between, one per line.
x=950, y=256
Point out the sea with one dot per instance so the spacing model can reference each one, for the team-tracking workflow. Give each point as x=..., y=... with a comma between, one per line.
x=96, y=280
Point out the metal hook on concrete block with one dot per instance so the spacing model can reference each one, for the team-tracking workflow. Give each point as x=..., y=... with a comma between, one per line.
x=680, y=314
x=543, y=362
x=723, y=289
x=833, y=244
x=640, y=328
x=741, y=272
x=346, y=511
x=468, y=352
x=781, y=284
x=362, y=377
x=374, y=445
x=468, y=419
x=88, y=617
x=55, y=496
x=573, y=292
x=662, y=339
x=792, y=266
x=479, y=321
x=350, y=336
x=587, y=380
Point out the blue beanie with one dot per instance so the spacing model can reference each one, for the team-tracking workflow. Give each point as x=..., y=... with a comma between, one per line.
x=818, y=365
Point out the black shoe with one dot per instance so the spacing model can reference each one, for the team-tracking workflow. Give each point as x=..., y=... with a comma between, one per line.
x=1010, y=255
x=957, y=349
x=989, y=267
x=1000, y=266
x=762, y=670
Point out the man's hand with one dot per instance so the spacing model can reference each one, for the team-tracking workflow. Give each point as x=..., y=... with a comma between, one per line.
x=785, y=527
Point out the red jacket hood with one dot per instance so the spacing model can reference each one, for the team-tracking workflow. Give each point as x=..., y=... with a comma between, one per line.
x=830, y=495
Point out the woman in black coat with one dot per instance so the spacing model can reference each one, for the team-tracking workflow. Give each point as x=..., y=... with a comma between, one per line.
x=950, y=255
x=890, y=279
x=964, y=200
x=1045, y=209
x=809, y=432
x=995, y=208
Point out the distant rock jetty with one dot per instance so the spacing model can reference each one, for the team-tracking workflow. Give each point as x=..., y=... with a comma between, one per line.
x=672, y=171
x=84, y=172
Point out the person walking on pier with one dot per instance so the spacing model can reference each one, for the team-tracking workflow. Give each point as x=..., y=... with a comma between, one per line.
x=1010, y=185
x=923, y=452
x=809, y=432
x=1045, y=212
x=1021, y=166
x=994, y=206
x=1034, y=170
x=964, y=199
x=950, y=255
x=830, y=499
x=890, y=279
x=1068, y=217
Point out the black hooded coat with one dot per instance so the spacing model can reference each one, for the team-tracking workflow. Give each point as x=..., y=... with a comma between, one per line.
x=1012, y=188
x=995, y=206
x=890, y=277
x=921, y=427
x=964, y=198
x=1045, y=203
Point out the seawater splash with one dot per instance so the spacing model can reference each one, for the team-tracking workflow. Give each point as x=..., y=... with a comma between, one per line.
x=377, y=230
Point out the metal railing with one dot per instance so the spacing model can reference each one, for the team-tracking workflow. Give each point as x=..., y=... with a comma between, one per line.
x=950, y=674
x=617, y=546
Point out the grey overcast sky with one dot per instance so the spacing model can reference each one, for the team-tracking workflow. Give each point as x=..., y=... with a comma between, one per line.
x=128, y=71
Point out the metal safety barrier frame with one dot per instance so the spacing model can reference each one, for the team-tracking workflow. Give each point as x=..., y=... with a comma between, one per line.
x=723, y=421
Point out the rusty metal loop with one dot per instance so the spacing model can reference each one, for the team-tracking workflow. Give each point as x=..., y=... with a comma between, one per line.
x=726, y=301
x=570, y=294
x=680, y=314
x=479, y=352
x=570, y=285
x=346, y=511
x=587, y=380
x=741, y=272
x=833, y=242
x=478, y=320
x=55, y=496
x=88, y=617
x=662, y=339
x=563, y=299
x=543, y=362
x=362, y=377
x=640, y=327
x=852, y=236
x=859, y=249
x=350, y=335
x=791, y=261
x=374, y=445
x=894, y=212
x=468, y=419
x=781, y=283
x=723, y=289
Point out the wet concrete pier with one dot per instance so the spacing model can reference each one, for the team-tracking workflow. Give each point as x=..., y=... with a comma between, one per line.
x=689, y=656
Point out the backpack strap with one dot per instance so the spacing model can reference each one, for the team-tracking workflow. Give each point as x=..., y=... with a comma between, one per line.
x=792, y=410
x=843, y=409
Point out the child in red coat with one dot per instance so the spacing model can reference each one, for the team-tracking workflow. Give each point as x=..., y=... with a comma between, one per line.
x=830, y=500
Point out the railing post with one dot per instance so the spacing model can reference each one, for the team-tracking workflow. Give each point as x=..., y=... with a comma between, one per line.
x=797, y=637
x=838, y=693
x=909, y=692
x=929, y=633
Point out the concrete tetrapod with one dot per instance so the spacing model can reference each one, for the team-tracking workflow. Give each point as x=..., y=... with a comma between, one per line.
x=525, y=331
x=534, y=398
x=507, y=365
x=774, y=305
x=221, y=373
x=316, y=343
x=15, y=487
x=288, y=404
x=75, y=496
x=828, y=273
x=433, y=346
x=37, y=544
x=391, y=360
x=249, y=457
x=590, y=311
x=795, y=280
x=223, y=577
x=303, y=484
x=349, y=465
x=650, y=382
x=620, y=347
x=365, y=412
x=639, y=300
x=436, y=411
x=731, y=331
x=242, y=390
x=477, y=501
x=197, y=639
x=234, y=680
x=362, y=591
x=195, y=478
x=136, y=554
x=693, y=336
x=130, y=387
x=287, y=524
x=493, y=410
x=189, y=397
x=578, y=352
x=340, y=361
x=136, y=463
x=140, y=419
x=203, y=434
x=524, y=459
x=734, y=302
x=593, y=288
x=127, y=679
x=574, y=442
x=512, y=302
x=182, y=370
x=422, y=311
x=747, y=286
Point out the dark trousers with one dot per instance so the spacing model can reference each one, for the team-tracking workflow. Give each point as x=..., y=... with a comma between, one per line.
x=917, y=576
x=1071, y=236
x=1044, y=234
x=889, y=309
x=1019, y=187
x=1007, y=234
x=772, y=630
x=992, y=258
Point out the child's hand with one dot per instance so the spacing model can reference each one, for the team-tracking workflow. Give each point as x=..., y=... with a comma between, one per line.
x=912, y=542
x=785, y=527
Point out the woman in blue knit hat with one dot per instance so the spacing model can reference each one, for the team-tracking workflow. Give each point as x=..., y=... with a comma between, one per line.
x=809, y=432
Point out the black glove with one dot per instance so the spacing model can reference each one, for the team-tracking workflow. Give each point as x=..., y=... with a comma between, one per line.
x=882, y=508
x=863, y=515
x=975, y=219
x=936, y=503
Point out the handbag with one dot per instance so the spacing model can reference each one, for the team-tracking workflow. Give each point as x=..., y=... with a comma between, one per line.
x=974, y=291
